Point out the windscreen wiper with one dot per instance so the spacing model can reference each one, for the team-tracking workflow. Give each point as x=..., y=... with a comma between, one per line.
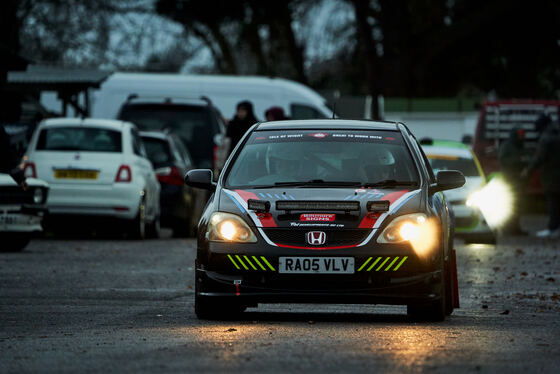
x=390, y=183
x=316, y=182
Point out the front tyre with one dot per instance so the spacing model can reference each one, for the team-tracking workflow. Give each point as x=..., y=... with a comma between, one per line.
x=434, y=311
x=216, y=308
x=14, y=243
x=137, y=227
x=153, y=230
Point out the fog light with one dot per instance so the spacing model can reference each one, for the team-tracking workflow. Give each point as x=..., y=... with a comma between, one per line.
x=38, y=196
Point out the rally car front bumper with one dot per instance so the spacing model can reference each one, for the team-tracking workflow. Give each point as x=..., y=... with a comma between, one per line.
x=383, y=274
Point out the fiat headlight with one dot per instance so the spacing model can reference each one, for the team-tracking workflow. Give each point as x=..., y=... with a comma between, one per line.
x=38, y=196
x=416, y=228
x=227, y=227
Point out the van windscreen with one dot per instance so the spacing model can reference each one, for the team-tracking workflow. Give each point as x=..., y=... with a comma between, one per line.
x=192, y=123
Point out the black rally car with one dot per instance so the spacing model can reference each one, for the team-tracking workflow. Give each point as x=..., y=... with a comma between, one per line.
x=326, y=211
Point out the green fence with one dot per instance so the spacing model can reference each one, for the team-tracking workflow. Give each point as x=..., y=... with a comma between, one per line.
x=437, y=104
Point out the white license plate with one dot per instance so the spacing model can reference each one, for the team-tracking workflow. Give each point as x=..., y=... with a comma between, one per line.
x=316, y=265
x=7, y=219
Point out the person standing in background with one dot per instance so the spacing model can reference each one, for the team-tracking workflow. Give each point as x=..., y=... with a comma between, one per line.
x=275, y=113
x=244, y=118
x=511, y=158
x=547, y=161
x=9, y=161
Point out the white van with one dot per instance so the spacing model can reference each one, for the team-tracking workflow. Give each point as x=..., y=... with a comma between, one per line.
x=297, y=100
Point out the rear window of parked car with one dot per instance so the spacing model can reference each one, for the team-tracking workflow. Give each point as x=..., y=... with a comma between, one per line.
x=158, y=151
x=85, y=139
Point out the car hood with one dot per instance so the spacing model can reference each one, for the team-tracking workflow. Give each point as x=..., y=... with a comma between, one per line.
x=461, y=194
x=235, y=201
x=6, y=180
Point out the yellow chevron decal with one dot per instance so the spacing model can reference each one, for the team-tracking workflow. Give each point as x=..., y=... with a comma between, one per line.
x=374, y=263
x=400, y=263
x=251, y=263
x=233, y=262
x=391, y=264
x=262, y=264
x=364, y=264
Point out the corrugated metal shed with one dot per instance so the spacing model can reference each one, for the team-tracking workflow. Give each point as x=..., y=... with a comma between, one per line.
x=69, y=83
x=46, y=77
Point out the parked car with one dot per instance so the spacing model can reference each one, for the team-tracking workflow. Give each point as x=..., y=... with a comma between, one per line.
x=181, y=206
x=21, y=212
x=96, y=168
x=197, y=123
x=470, y=222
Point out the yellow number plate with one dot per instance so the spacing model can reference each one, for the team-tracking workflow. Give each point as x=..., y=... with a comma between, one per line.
x=75, y=174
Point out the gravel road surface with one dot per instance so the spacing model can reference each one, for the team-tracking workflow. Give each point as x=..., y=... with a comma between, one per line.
x=101, y=305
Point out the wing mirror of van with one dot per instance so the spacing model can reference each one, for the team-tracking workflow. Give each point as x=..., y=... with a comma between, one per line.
x=200, y=178
x=447, y=180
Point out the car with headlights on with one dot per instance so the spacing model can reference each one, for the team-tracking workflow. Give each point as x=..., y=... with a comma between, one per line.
x=469, y=220
x=97, y=170
x=326, y=211
x=21, y=212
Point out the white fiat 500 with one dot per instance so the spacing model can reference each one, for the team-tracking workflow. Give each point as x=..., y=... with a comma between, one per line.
x=96, y=168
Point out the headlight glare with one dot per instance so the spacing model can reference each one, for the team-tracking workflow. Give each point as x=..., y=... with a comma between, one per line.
x=421, y=232
x=227, y=227
x=409, y=231
x=495, y=201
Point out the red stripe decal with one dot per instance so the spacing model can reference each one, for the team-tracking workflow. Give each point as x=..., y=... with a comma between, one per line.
x=245, y=195
x=394, y=196
x=266, y=219
x=316, y=248
x=370, y=218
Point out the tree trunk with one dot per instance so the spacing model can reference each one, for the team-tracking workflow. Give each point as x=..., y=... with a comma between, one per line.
x=368, y=54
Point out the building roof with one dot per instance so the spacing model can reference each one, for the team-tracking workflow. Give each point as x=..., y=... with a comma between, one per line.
x=46, y=77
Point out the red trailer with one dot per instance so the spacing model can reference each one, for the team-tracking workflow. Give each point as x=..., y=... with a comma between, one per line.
x=495, y=121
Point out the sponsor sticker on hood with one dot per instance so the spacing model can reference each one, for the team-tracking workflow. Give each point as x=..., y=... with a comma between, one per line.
x=317, y=217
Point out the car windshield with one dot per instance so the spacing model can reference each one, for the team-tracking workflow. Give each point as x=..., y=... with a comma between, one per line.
x=86, y=139
x=323, y=158
x=192, y=123
x=443, y=162
x=158, y=151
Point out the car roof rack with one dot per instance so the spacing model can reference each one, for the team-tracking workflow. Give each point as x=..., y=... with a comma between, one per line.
x=169, y=99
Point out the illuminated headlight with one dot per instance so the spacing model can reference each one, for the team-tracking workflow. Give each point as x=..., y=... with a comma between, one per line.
x=227, y=227
x=495, y=201
x=421, y=232
x=38, y=196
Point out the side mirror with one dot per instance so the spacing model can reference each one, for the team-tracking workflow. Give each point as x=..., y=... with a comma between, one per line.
x=447, y=180
x=200, y=178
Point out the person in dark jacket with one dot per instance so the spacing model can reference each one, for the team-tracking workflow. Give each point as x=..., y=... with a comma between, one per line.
x=243, y=120
x=547, y=161
x=511, y=158
x=9, y=161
